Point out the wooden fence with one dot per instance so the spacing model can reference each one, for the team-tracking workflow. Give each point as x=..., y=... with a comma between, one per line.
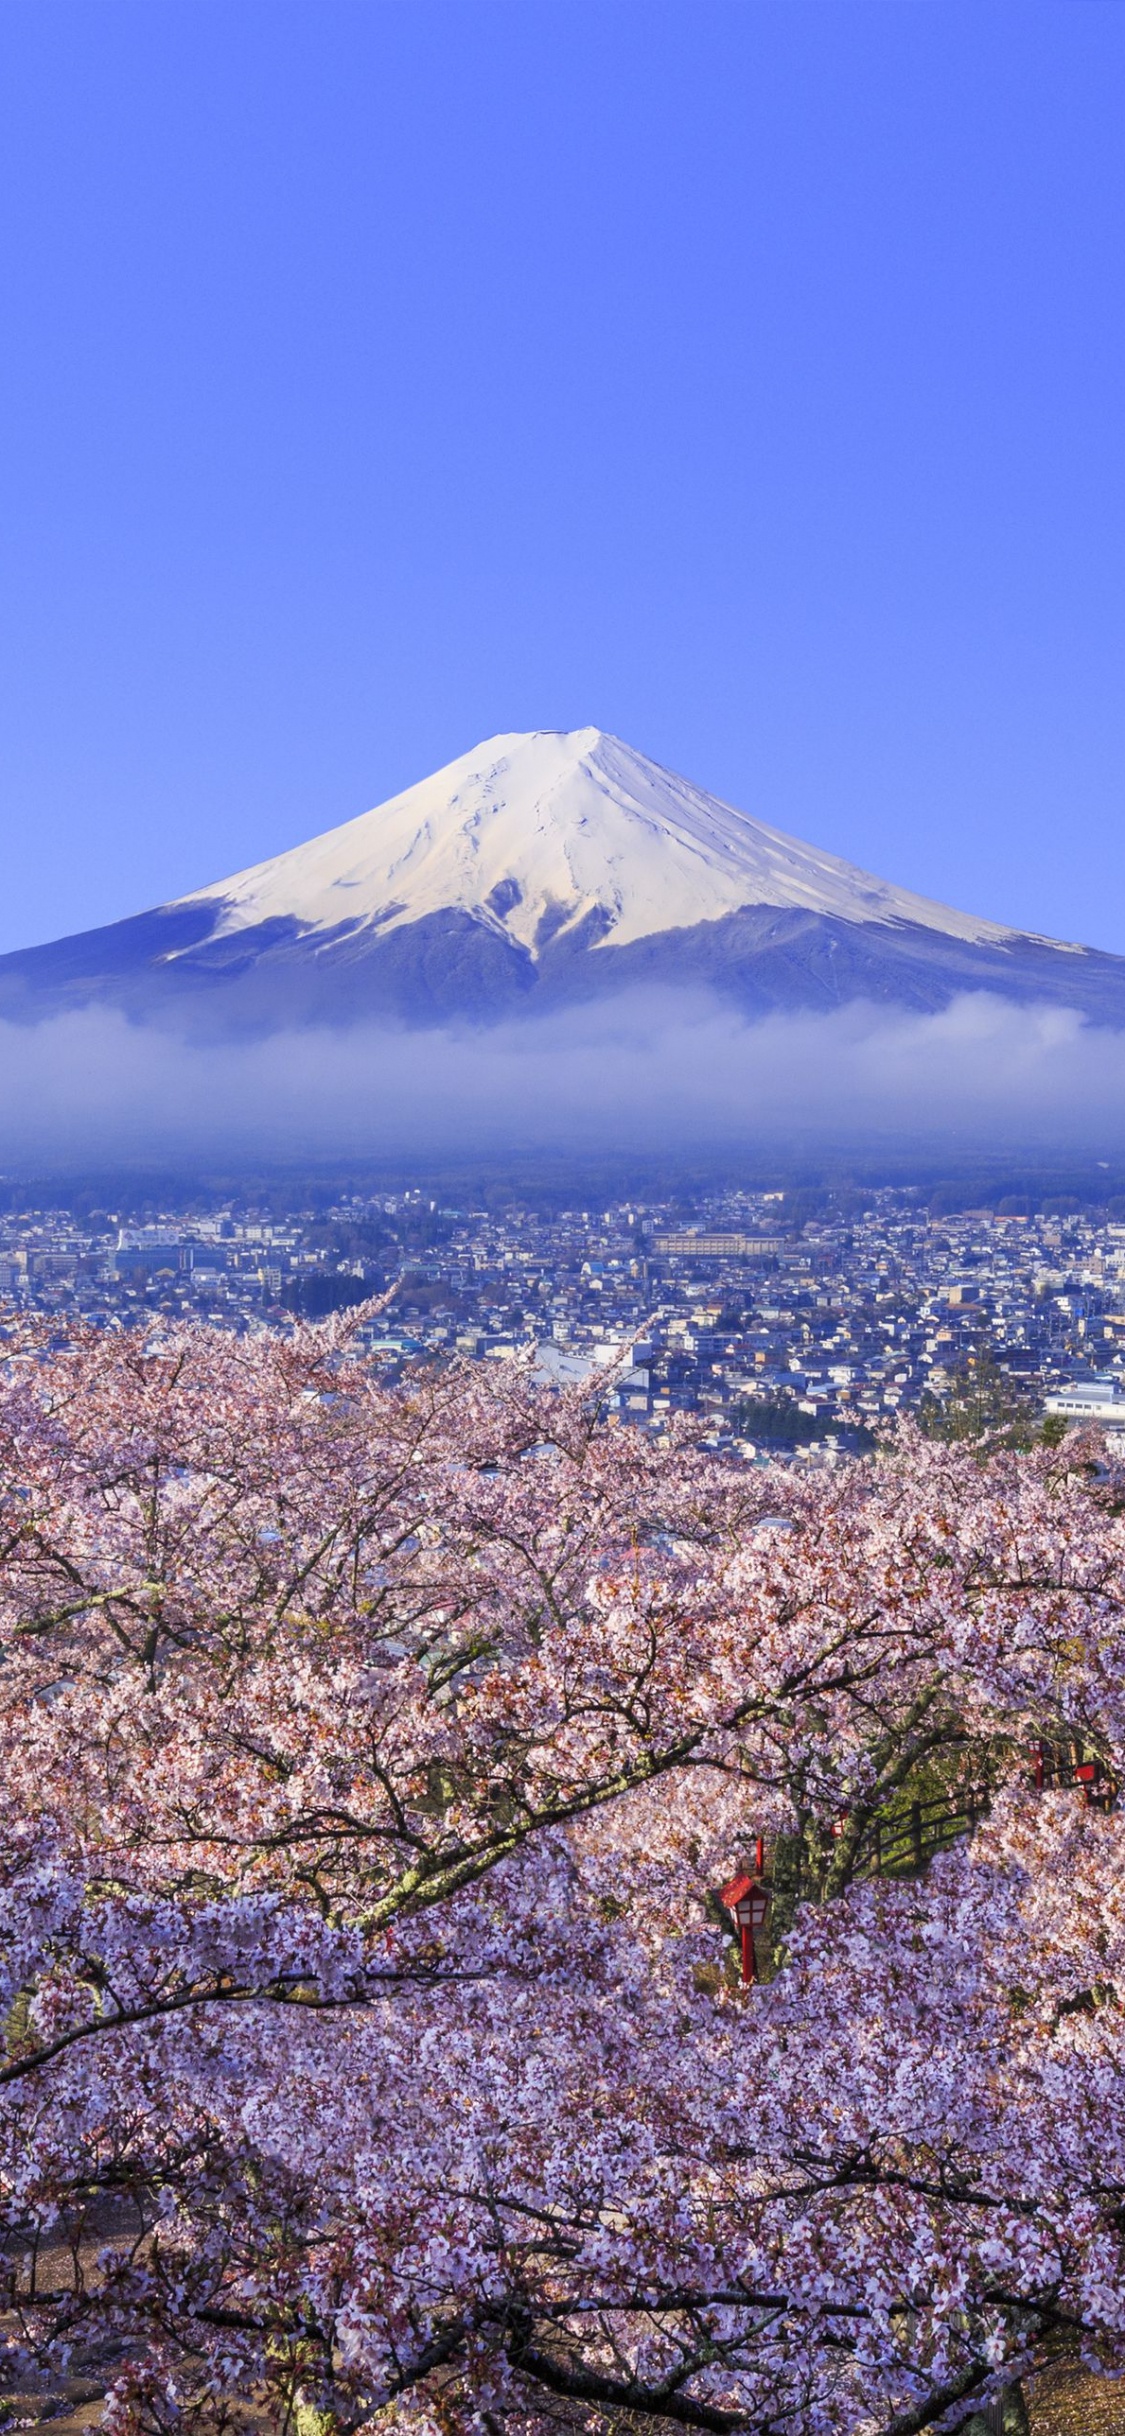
x=901, y=1842
x=897, y=1845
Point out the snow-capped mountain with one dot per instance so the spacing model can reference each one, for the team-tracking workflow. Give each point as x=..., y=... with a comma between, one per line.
x=533, y=835
x=541, y=868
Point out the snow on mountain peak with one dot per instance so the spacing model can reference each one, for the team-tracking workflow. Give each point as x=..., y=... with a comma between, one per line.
x=534, y=834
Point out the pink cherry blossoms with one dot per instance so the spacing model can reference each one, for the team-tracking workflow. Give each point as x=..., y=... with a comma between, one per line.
x=374, y=2051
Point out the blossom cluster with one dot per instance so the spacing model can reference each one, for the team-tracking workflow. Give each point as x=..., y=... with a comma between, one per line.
x=374, y=2044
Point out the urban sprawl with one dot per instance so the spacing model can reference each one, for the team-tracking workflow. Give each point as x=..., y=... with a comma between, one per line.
x=784, y=1334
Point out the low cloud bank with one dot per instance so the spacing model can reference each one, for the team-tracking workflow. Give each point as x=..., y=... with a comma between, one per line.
x=648, y=1071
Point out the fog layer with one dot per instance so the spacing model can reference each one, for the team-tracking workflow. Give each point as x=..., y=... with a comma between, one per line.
x=649, y=1071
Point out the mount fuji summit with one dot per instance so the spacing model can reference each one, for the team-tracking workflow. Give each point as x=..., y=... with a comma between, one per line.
x=537, y=870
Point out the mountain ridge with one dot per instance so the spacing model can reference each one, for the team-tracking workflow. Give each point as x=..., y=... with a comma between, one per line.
x=591, y=823
x=536, y=870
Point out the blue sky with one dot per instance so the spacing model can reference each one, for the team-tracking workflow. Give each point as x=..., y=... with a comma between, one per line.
x=745, y=376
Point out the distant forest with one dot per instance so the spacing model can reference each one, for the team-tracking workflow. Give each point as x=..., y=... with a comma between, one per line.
x=1053, y=1188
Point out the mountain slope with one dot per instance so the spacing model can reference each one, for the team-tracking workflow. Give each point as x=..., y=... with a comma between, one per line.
x=535, y=834
x=537, y=869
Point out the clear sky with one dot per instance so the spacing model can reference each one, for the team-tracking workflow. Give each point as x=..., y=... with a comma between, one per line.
x=744, y=376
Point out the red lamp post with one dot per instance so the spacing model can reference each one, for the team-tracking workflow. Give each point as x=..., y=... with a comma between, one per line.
x=748, y=1900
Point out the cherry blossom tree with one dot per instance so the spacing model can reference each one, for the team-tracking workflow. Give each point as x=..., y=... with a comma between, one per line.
x=374, y=2045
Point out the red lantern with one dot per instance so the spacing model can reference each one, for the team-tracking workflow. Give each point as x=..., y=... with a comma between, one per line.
x=749, y=1903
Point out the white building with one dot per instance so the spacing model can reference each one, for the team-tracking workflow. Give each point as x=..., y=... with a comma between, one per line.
x=1089, y=1400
